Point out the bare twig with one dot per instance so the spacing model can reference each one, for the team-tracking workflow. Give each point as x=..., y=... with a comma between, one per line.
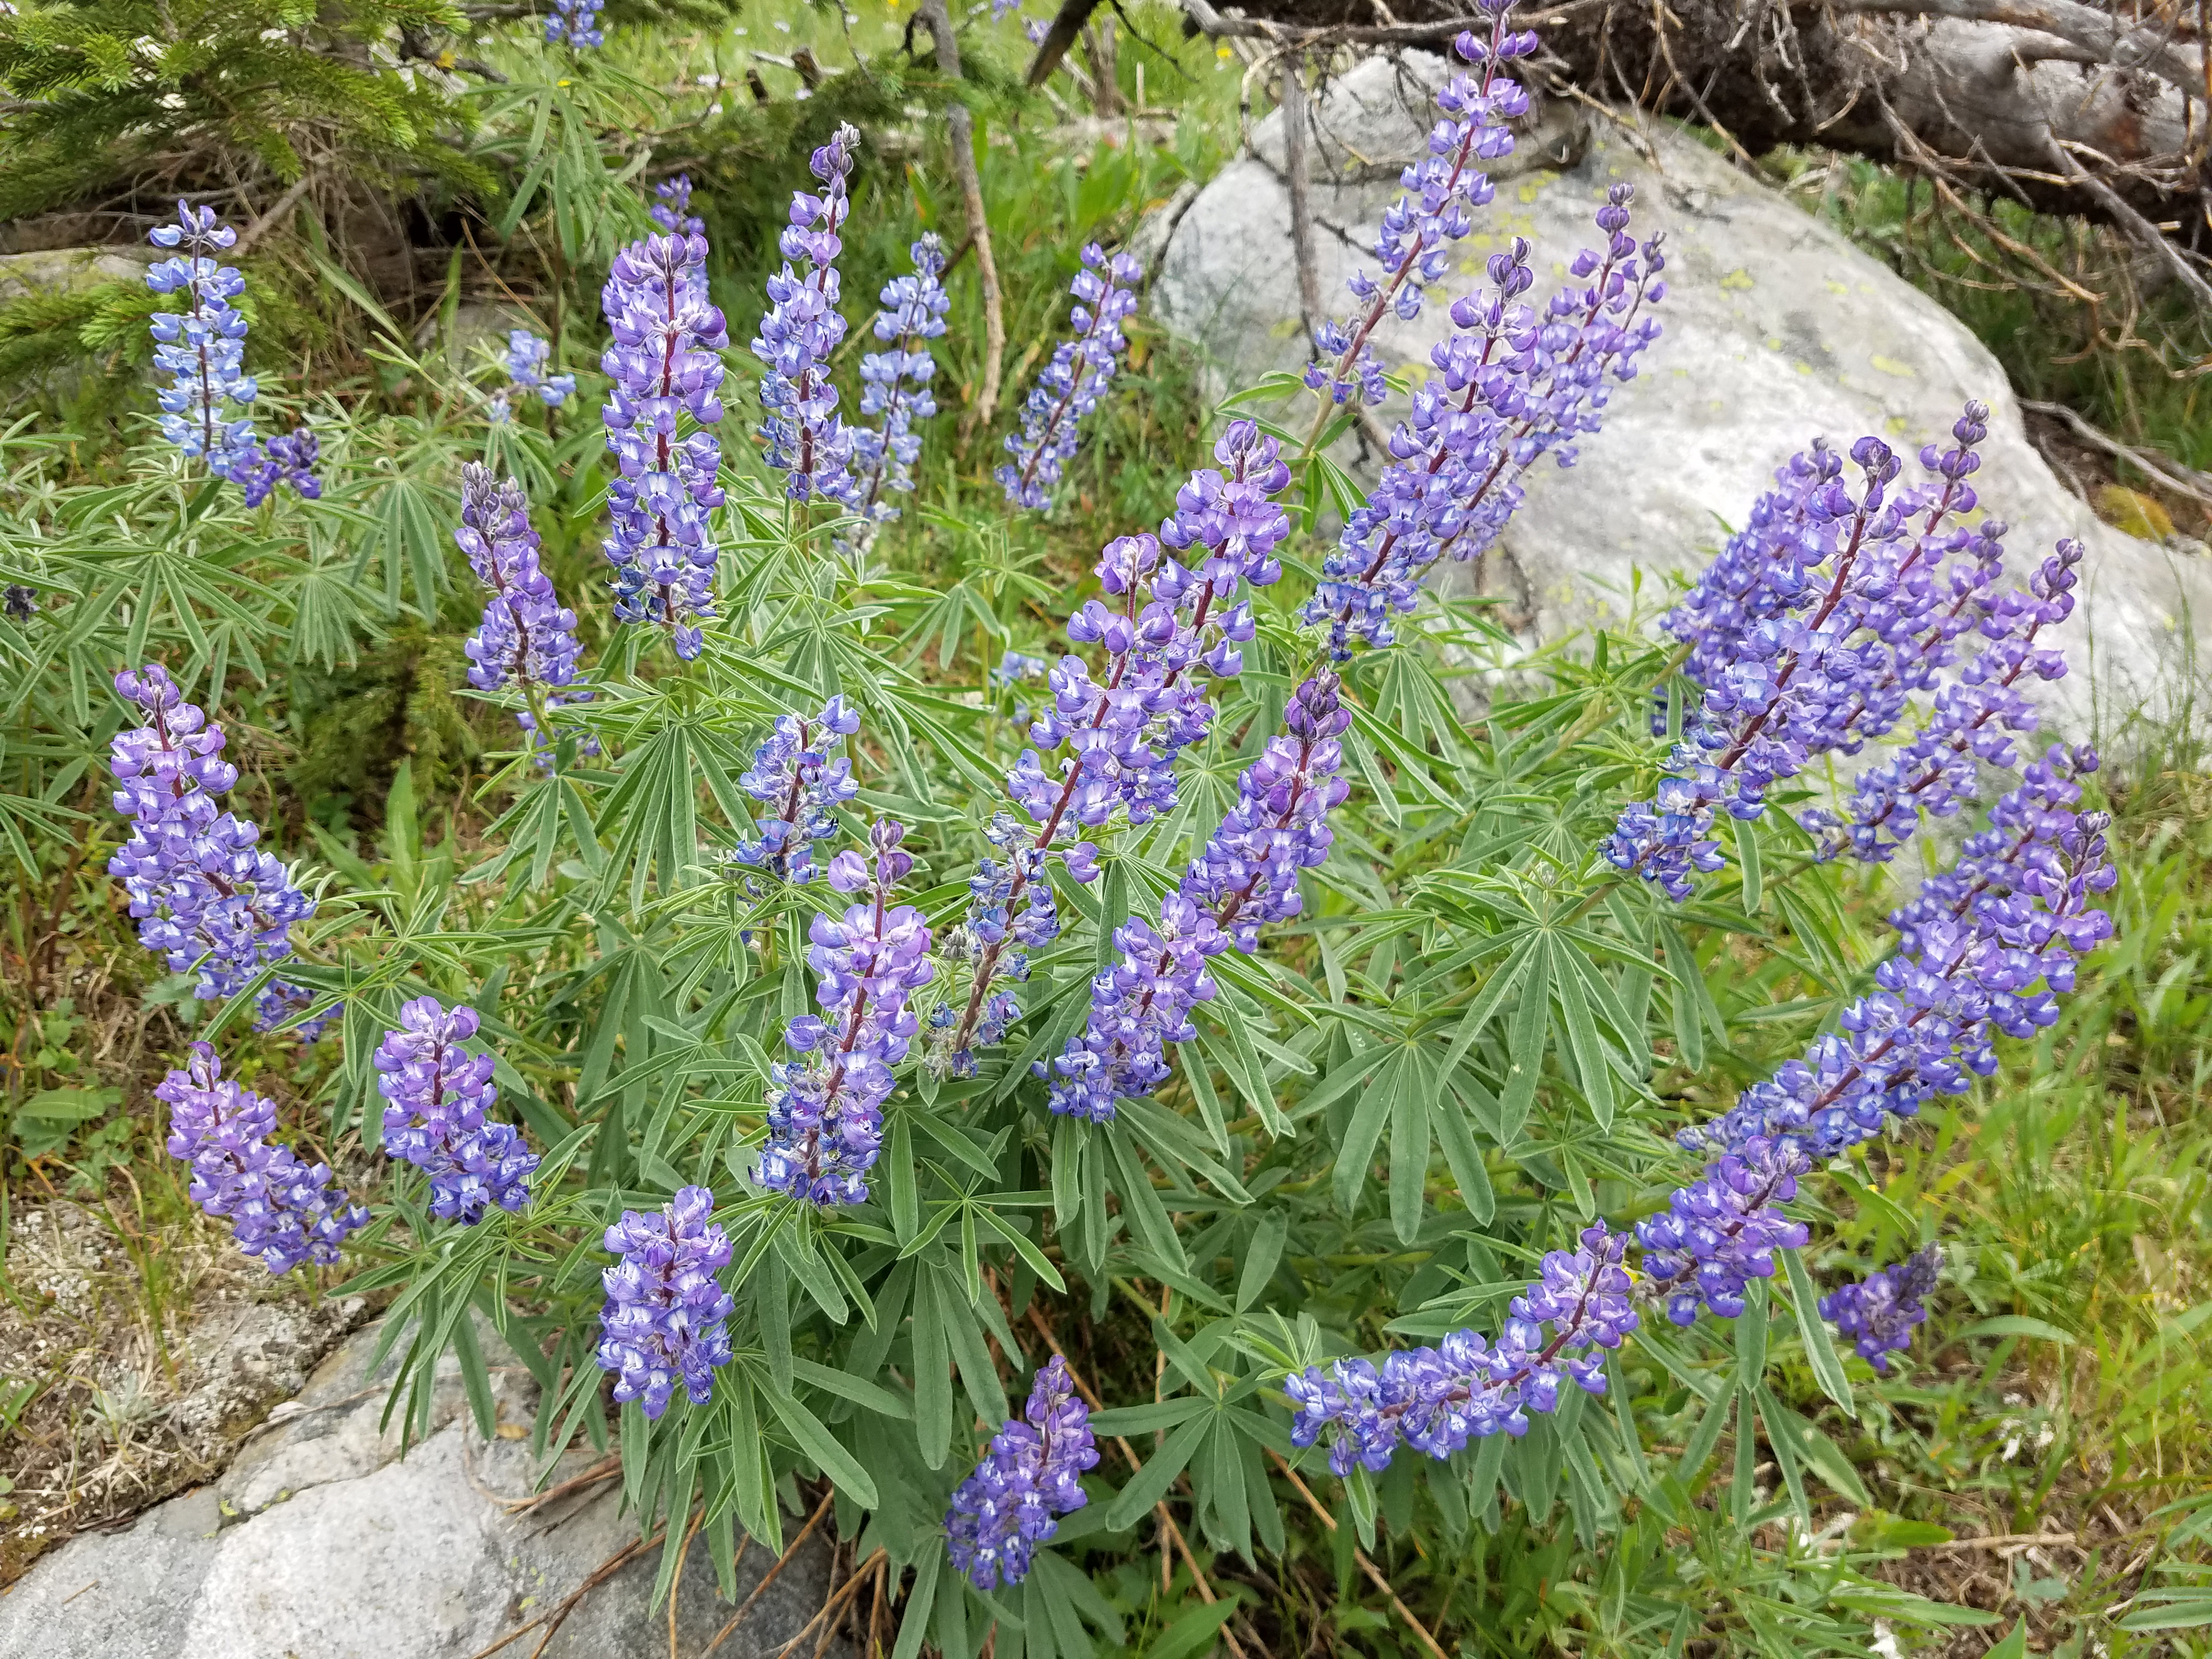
x=613, y=1564
x=2166, y=473
x=606, y=1468
x=676, y=1586
x=2139, y=228
x=1373, y=1572
x=960, y=134
x=769, y=1576
x=2007, y=1540
x=282, y=206
x=1299, y=177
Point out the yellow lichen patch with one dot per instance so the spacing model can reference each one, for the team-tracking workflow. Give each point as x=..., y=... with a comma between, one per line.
x=2134, y=512
x=1737, y=280
x=1891, y=366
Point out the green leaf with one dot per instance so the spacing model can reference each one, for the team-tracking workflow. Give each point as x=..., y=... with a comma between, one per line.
x=818, y=1443
x=1409, y=1143
x=1746, y=853
x=1582, y=1040
x=1531, y=1035
x=1193, y=1631
x=1262, y=1256
x=1819, y=1347
x=1751, y=1335
x=1152, y=1479
x=2014, y=1645
x=2174, y=1609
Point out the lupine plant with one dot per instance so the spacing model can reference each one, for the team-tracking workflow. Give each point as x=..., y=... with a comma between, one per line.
x=808, y=1045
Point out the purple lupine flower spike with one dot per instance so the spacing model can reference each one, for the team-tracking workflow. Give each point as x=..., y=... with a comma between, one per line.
x=825, y=1107
x=1031, y=1475
x=895, y=383
x=207, y=898
x=285, y=1212
x=671, y=207
x=1436, y=1399
x=1809, y=632
x=665, y=362
x=1877, y=1314
x=576, y=22
x=1245, y=876
x=528, y=637
x=801, y=783
x=1512, y=386
x=1413, y=245
x=290, y=459
x=664, y=1318
x=1978, y=718
x=1721, y=1232
x=1166, y=622
x=206, y=408
x=801, y=329
x=526, y=360
x=436, y=1095
x=1988, y=946
x=1070, y=385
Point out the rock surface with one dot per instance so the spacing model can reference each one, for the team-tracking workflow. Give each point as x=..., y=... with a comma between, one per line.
x=1777, y=331
x=62, y=268
x=322, y=1542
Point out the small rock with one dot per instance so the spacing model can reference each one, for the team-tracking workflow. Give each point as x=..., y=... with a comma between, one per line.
x=323, y=1540
x=61, y=269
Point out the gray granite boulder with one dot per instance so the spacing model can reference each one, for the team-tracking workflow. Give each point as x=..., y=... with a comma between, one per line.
x=60, y=269
x=321, y=1541
x=1777, y=331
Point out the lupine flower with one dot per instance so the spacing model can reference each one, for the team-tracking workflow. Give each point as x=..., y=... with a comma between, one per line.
x=1985, y=947
x=999, y=939
x=1878, y=1314
x=1031, y=1475
x=1808, y=632
x=671, y=207
x=664, y=1319
x=1721, y=1232
x=576, y=22
x=207, y=898
x=665, y=363
x=895, y=383
x=285, y=1212
x=290, y=459
x=1436, y=1399
x=1413, y=245
x=526, y=360
x=1165, y=620
x=1071, y=384
x=1246, y=875
x=801, y=782
x=436, y=1095
x=801, y=329
x=206, y=408
x=1988, y=947
x=1975, y=717
x=1014, y=667
x=825, y=1107
x=1512, y=386
x=527, y=636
